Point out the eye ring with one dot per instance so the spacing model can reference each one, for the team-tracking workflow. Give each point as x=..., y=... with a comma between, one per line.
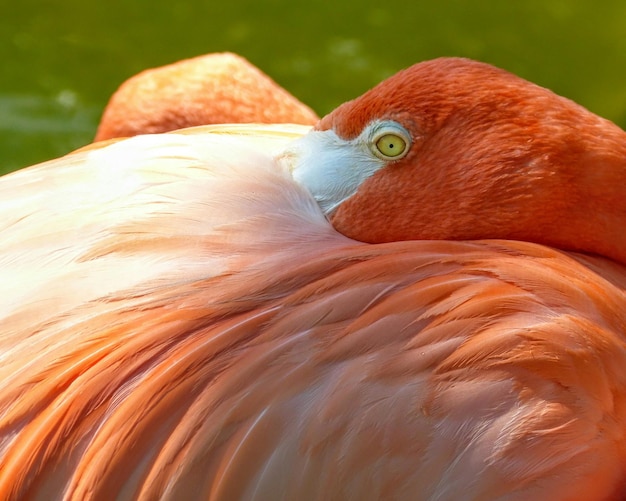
x=390, y=141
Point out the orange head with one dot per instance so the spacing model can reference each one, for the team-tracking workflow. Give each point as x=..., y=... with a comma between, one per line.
x=210, y=89
x=457, y=149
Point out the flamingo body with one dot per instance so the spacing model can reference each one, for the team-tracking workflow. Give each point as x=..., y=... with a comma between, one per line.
x=183, y=322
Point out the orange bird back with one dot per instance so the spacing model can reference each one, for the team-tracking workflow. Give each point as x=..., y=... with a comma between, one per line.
x=210, y=89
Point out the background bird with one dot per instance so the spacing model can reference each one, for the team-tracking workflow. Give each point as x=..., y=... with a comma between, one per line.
x=183, y=322
x=209, y=89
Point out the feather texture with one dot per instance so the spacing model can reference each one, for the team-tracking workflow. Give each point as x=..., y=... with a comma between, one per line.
x=180, y=321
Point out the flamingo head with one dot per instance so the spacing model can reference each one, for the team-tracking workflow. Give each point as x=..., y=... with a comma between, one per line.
x=457, y=149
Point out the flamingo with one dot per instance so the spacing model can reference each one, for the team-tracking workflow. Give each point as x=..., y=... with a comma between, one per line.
x=209, y=89
x=421, y=298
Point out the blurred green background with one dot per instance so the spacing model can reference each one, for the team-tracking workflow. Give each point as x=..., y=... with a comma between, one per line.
x=62, y=59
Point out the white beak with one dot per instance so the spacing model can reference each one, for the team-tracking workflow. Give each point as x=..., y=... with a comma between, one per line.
x=329, y=167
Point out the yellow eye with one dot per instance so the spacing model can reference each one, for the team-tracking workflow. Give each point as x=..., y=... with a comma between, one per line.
x=387, y=139
x=391, y=145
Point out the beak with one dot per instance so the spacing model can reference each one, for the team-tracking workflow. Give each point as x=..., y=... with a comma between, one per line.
x=329, y=167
